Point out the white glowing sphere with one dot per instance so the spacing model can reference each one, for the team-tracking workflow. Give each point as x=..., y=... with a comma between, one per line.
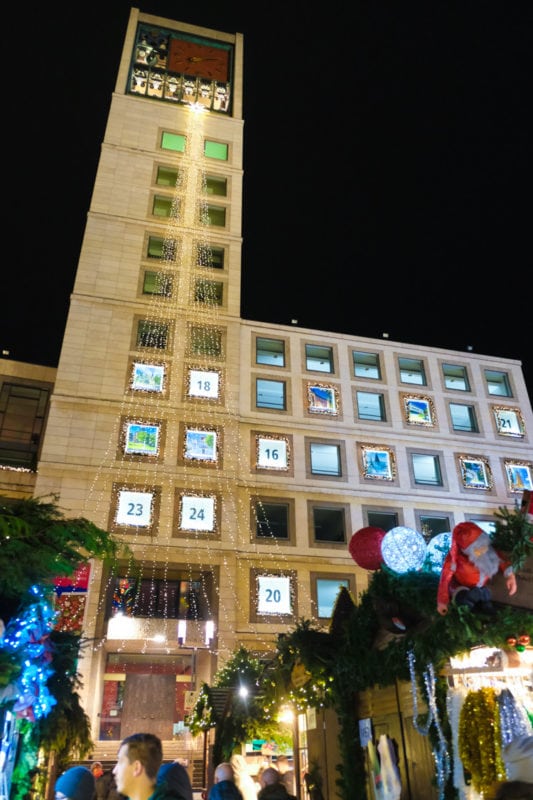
x=437, y=551
x=403, y=549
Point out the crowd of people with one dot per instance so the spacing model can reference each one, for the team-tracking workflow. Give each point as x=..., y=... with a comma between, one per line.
x=139, y=774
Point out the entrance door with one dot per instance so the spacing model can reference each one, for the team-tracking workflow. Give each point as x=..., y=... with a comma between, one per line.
x=149, y=705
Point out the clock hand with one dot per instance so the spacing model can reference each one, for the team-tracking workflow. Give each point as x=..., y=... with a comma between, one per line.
x=194, y=59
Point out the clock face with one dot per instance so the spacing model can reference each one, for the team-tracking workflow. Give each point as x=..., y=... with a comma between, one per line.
x=193, y=58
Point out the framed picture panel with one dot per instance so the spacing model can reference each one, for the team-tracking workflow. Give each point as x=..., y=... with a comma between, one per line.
x=378, y=462
x=519, y=475
x=148, y=377
x=419, y=410
x=322, y=398
x=200, y=444
x=141, y=438
x=475, y=472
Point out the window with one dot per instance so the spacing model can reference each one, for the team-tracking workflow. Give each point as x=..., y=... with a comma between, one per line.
x=456, y=377
x=217, y=150
x=325, y=459
x=173, y=141
x=164, y=206
x=412, y=371
x=270, y=394
x=498, y=383
x=209, y=257
x=366, y=365
x=208, y=292
x=431, y=525
x=325, y=590
x=152, y=334
x=213, y=215
x=486, y=524
x=463, y=418
x=426, y=469
x=370, y=406
x=382, y=519
x=328, y=524
x=22, y=413
x=167, y=176
x=216, y=185
x=270, y=520
x=205, y=341
x=318, y=359
x=270, y=351
x=158, y=247
x=159, y=283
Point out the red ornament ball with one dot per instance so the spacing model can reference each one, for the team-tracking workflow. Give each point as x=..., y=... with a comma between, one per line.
x=365, y=547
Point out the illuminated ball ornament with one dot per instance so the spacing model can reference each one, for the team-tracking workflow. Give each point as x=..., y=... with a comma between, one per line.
x=365, y=547
x=437, y=550
x=403, y=549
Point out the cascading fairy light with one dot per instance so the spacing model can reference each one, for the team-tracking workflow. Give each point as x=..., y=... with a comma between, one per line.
x=220, y=483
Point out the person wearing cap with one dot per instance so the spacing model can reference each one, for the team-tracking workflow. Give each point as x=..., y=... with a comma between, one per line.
x=175, y=778
x=469, y=566
x=77, y=783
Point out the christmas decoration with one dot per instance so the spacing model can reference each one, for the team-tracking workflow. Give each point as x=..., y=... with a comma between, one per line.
x=403, y=549
x=365, y=547
x=480, y=739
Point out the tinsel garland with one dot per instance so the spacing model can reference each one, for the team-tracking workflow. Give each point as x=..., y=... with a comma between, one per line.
x=514, y=721
x=480, y=739
x=440, y=752
x=454, y=702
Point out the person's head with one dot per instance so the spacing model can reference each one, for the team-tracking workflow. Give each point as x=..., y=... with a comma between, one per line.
x=224, y=772
x=97, y=769
x=139, y=758
x=175, y=777
x=239, y=764
x=77, y=783
x=282, y=763
x=270, y=776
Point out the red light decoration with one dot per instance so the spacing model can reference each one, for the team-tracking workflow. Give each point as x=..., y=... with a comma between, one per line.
x=365, y=547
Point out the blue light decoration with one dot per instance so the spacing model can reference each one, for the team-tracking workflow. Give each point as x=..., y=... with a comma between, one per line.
x=437, y=550
x=403, y=549
x=440, y=750
x=28, y=635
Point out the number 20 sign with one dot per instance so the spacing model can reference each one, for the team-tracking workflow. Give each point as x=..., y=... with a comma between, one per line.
x=274, y=594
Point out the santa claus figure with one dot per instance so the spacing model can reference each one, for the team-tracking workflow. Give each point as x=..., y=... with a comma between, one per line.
x=469, y=566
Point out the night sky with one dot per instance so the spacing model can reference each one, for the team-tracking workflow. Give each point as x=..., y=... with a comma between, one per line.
x=406, y=209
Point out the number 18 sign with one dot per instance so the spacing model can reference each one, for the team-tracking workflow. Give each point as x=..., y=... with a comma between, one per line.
x=274, y=594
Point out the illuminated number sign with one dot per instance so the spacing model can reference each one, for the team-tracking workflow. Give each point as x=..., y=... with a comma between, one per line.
x=274, y=595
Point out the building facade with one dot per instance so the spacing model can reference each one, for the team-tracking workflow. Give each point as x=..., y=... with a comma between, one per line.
x=233, y=458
